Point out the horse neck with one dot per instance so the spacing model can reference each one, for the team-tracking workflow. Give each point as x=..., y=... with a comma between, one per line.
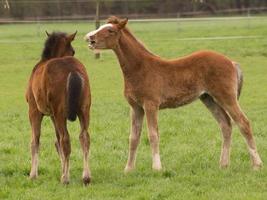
x=49, y=55
x=46, y=55
x=131, y=53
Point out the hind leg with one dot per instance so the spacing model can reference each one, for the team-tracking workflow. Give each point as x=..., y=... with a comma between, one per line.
x=224, y=122
x=244, y=125
x=85, y=144
x=64, y=143
x=57, y=142
x=35, y=119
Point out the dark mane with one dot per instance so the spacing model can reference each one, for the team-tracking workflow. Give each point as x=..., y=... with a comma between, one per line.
x=51, y=43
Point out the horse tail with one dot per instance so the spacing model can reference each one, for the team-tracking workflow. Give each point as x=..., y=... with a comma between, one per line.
x=74, y=87
x=239, y=79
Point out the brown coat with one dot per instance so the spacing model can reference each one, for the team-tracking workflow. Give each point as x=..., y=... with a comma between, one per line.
x=152, y=83
x=59, y=87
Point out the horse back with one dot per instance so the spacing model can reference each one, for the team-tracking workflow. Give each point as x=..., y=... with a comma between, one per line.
x=173, y=83
x=50, y=84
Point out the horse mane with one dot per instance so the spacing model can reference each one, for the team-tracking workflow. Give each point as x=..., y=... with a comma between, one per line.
x=113, y=20
x=50, y=47
x=128, y=33
x=51, y=44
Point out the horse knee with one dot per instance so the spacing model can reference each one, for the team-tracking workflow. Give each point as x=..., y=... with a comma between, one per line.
x=153, y=138
x=57, y=145
x=134, y=137
x=245, y=122
x=245, y=129
x=84, y=138
x=134, y=140
x=245, y=126
x=242, y=122
x=34, y=144
x=226, y=130
x=65, y=145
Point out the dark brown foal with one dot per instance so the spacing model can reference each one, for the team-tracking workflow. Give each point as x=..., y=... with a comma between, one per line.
x=59, y=87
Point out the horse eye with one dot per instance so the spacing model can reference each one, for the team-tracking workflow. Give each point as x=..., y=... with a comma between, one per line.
x=111, y=31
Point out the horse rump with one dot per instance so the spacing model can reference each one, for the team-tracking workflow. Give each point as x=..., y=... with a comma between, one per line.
x=74, y=93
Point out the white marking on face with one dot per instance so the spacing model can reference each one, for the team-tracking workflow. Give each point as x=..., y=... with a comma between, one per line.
x=97, y=30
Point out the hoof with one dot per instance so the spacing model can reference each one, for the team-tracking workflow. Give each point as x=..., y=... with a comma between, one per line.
x=33, y=176
x=224, y=166
x=257, y=164
x=157, y=168
x=128, y=169
x=86, y=180
x=65, y=180
x=257, y=167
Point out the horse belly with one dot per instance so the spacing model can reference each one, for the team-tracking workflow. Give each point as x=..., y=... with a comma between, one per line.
x=179, y=100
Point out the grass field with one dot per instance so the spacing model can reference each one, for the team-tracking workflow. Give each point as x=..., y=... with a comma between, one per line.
x=190, y=138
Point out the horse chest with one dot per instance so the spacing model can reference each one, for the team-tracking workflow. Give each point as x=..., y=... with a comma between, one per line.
x=133, y=96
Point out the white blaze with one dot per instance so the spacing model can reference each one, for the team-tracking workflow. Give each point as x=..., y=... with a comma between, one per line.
x=97, y=30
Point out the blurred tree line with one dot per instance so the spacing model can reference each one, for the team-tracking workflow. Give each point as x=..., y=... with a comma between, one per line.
x=64, y=9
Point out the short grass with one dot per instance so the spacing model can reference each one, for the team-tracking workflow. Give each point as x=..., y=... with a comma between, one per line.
x=190, y=138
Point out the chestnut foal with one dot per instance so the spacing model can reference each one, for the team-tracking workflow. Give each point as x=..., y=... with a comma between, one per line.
x=59, y=87
x=152, y=83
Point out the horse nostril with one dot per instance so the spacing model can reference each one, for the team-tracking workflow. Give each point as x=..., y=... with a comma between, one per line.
x=92, y=42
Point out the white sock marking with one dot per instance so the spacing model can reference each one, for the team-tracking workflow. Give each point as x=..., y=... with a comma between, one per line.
x=156, y=161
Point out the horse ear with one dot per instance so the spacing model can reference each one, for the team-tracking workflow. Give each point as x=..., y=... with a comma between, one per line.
x=47, y=34
x=122, y=23
x=72, y=36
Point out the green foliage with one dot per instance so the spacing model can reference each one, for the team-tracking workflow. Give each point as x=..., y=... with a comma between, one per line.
x=190, y=138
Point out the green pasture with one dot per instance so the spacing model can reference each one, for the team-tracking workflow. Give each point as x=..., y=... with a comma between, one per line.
x=190, y=137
